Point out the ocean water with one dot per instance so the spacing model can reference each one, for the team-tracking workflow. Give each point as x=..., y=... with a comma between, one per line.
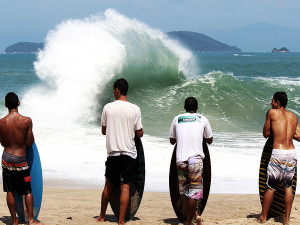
x=64, y=88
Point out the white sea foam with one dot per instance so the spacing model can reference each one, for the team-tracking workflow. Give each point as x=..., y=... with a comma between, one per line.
x=78, y=60
x=284, y=81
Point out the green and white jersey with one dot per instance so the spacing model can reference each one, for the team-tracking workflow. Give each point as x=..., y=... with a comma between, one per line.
x=189, y=129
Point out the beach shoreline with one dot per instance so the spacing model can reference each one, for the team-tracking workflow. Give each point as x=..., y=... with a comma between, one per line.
x=81, y=206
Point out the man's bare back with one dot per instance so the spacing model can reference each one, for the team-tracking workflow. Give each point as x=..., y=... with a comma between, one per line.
x=281, y=124
x=16, y=133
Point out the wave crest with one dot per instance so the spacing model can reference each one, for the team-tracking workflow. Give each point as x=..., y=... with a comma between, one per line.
x=81, y=57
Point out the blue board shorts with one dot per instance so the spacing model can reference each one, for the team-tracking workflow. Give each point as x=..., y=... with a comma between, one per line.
x=15, y=174
x=190, y=179
x=281, y=168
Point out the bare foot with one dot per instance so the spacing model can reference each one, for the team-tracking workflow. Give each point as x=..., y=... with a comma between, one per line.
x=100, y=219
x=199, y=220
x=35, y=223
x=16, y=222
x=121, y=222
x=260, y=220
x=286, y=222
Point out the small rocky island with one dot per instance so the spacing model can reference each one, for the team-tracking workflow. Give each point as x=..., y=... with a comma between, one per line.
x=24, y=47
x=283, y=49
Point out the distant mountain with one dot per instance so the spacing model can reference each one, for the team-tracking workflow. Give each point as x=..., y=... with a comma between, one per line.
x=200, y=42
x=261, y=37
x=192, y=40
x=24, y=47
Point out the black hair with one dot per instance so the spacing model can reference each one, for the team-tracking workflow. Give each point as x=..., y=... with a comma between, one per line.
x=11, y=100
x=190, y=104
x=122, y=85
x=281, y=97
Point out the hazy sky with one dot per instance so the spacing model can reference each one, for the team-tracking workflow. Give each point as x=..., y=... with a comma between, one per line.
x=29, y=20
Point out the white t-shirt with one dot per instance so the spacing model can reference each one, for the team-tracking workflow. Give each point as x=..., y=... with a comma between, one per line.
x=189, y=129
x=121, y=119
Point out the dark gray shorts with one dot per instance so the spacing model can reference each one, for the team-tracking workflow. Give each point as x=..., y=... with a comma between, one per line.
x=119, y=169
x=15, y=174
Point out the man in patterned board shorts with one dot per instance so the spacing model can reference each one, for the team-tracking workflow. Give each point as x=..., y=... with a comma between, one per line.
x=187, y=131
x=15, y=134
x=283, y=125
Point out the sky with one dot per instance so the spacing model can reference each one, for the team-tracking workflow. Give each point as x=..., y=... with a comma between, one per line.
x=30, y=20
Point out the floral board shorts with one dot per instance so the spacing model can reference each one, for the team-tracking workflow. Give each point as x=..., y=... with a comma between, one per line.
x=281, y=168
x=190, y=177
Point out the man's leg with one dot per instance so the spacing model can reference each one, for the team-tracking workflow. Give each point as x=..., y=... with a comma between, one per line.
x=288, y=201
x=29, y=207
x=195, y=171
x=267, y=202
x=198, y=218
x=191, y=210
x=105, y=199
x=11, y=206
x=124, y=199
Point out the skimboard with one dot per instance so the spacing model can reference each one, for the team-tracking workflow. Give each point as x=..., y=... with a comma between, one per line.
x=34, y=163
x=136, y=189
x=179, y=202
x=277, y=208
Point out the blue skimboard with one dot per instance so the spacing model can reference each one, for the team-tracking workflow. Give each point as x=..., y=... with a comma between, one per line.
x=34, y=163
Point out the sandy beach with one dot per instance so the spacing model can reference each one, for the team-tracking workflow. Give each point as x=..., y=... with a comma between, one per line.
x=77, y=206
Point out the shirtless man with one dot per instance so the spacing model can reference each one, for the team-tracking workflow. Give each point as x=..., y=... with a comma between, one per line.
x=283, y=126
x=15, y=134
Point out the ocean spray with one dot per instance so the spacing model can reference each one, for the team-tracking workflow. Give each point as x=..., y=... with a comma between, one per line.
x=80, y=60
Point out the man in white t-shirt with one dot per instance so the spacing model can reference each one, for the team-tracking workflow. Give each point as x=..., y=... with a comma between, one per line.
x=188, y=131
x=120, y=121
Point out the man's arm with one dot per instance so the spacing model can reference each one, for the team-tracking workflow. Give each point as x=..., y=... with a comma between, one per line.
x=140, y=133
x=30, y=137
x=172, y=141
x=207, y=133
x=267, y=126
x=104, y=130
x=297, y=134
x=209, y=140
x=1, y=138
x=103, y=121
x=1, y=141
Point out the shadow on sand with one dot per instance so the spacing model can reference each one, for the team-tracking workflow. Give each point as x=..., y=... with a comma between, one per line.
x=8, y=220
x=172, y=221
x=113, y=218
